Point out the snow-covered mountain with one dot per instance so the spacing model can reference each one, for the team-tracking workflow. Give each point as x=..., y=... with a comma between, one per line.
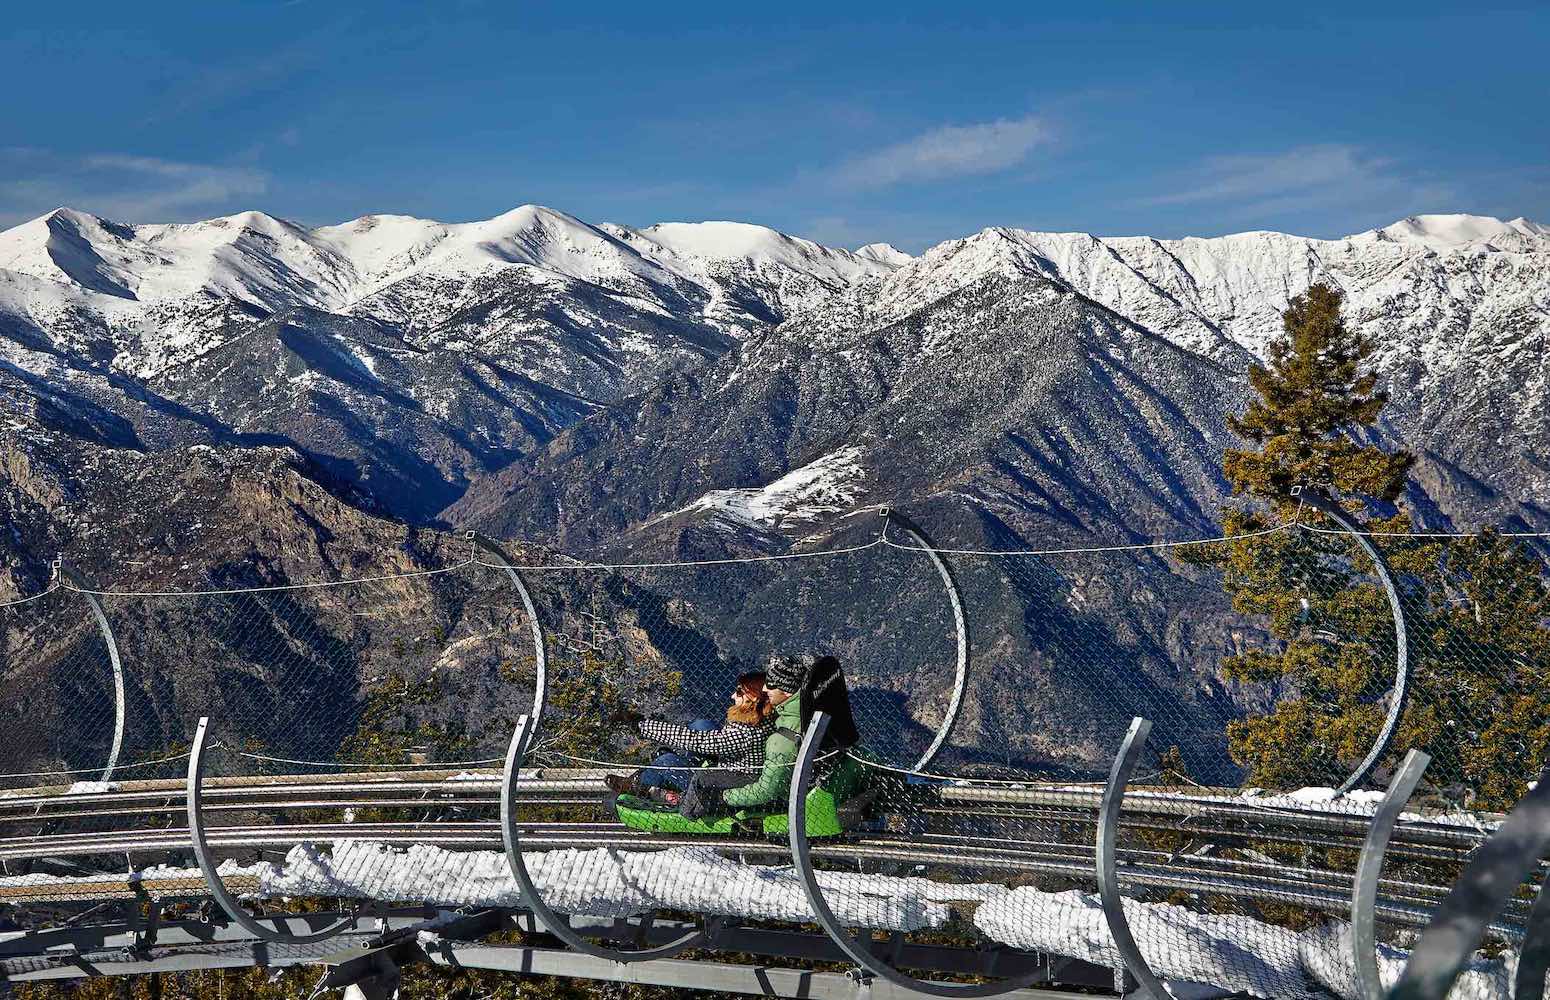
x=1458, y=305
x=163, y=294
x=717, y=388
x=418, y=356
x=411, y=353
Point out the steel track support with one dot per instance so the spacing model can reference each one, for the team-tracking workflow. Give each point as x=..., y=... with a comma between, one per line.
x=540, y=658
x=1401, y=693
x=1534, y=955
x=1107, y=867
x=83, y=587
x=553, y=922
x=206, y=861
x=751, y=980
x=960, y=627
x=856, y=950
x=1364, y=888
x=1489, y=880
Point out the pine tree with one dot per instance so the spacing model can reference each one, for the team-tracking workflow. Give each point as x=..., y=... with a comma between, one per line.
x=1313, y=395
x=1476, y=608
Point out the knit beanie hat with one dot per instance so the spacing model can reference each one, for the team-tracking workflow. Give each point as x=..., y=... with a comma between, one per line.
x=784, y=673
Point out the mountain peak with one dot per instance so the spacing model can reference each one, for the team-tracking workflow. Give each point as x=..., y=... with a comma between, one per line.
x=884, y=253
x=1443, y=232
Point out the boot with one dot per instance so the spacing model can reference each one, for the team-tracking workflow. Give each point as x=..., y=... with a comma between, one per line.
x=623, y=784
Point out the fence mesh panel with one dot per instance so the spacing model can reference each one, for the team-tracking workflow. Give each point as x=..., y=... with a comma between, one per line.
x=357, y=728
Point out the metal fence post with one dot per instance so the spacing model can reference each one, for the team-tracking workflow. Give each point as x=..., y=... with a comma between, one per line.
x=1107, y=866
x=1364, y=888
x=1488, y=881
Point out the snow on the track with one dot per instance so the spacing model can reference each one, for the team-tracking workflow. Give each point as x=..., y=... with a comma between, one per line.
x=606, y=882
x=1326, y=954
x=1236, y=952
x=1182, y=946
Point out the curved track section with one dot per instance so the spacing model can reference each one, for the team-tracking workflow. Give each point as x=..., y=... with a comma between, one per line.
x=1401, y=691
x=1364, y=890
x=1105, y=863
x=1534, y=957
x=553, y=922
x=960, y=625
x=206, y=861
x=540, y=661
x=83, y=587
x=1480, y=893
x=801, y=856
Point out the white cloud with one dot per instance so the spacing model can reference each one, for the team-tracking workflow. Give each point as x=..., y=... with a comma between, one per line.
x=120, y=186
x=1328, y=176
x=948, y=151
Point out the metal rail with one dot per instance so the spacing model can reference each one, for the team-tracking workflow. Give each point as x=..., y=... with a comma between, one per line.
x=1401, y=692
x=555, y=923
x=1480, y=893
x=218, y=890
x=540, y=660
x=83, y=587
x=572, y=786
x=1402, y=902
x=960, y=628
x=801, y=856
x=1534, y=956
x=1105, y=864
x=1364, y=889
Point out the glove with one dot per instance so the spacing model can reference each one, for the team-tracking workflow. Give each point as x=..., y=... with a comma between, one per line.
x=699, y=801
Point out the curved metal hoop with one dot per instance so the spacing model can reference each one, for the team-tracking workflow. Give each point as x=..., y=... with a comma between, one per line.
x=553, y=922
x=1106, y=865
x=1488, y=881
x=1364, y=889
x=961, y=627
x=801, y=856
x=1321, y=503
x=83, y=588
x=1534, y=957
x=540, y=658
x=218, y=890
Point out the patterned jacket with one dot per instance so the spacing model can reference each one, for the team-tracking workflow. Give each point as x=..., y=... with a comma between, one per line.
x=735, y=744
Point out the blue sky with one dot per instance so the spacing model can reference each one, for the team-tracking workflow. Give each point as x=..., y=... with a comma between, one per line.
x=904, y=122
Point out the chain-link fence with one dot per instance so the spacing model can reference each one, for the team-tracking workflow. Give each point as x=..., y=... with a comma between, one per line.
x=357, y=728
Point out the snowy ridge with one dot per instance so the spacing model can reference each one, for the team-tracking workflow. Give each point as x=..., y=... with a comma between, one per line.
x=825, y=485
x=161, y=282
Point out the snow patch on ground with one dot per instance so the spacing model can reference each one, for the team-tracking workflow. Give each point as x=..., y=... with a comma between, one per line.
x=611, y=883
x=1185, y=947
x=829, y=484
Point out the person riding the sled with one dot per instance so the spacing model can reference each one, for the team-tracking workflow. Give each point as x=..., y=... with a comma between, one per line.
x=737, y=745
x=786, y=679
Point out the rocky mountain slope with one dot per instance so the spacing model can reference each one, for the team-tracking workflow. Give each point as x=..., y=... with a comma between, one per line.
x=410, y=353
x=718, y=389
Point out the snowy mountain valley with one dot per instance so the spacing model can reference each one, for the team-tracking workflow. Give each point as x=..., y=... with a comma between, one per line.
x=711, y=389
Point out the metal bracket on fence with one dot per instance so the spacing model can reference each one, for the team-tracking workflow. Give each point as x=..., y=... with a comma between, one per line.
x=540, y=662
x=1487, y=883
x=553, y=922
x=202, y=855
x=1364, y=888
x=960, y=626
x=82, y=587
x=1107, y=867
x=1534, y=956
x=802, y=858
x=1316, y=499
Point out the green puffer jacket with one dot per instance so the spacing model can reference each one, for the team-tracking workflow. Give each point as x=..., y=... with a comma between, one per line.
x=780, y=756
